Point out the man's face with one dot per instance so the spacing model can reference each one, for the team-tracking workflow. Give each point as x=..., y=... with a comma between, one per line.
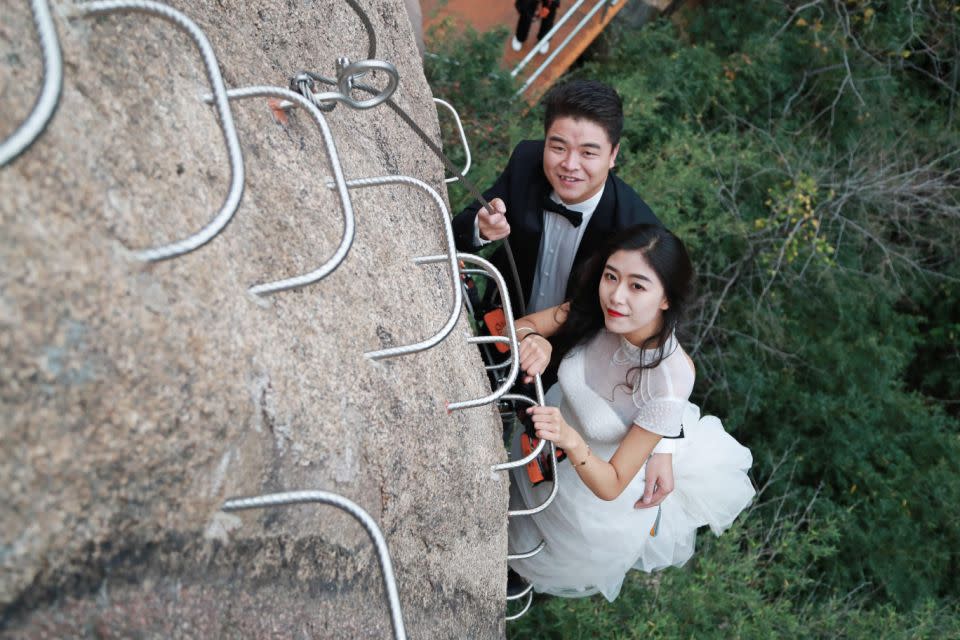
x=577, y=158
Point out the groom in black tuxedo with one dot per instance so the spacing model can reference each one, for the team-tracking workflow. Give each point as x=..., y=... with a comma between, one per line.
x=558, y=203
x=557, y=200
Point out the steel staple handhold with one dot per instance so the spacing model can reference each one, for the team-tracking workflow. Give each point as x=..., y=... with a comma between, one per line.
x=369, y=524
x=450, y=258
x=494, y=273
x=527, y=554
x=527, y=606
x=463, y=139
x=503, y=466
x=553, y=493
x=339, y=182
x=525, y=591
x=235, y=194
x=49, y=97
x=538, y=387
x=472, y=188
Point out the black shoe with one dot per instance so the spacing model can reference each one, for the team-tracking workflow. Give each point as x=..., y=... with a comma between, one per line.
x=515, y=583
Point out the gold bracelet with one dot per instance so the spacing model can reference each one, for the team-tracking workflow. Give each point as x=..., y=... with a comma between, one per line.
x=584, y=461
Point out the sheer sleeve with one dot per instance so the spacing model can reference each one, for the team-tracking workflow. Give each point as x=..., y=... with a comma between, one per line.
x=662, y=394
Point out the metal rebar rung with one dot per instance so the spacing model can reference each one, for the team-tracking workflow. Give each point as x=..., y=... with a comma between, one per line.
x=511, y=339
x=333, y=158
x=235, y=194
x=526, y=606
x=49, y=97
x=525, y=591
x=553, y=493
x=503, y=466
x=463, y=139
x=538, y=386
x=451, y=258
x=528, y=554
x=368, y=523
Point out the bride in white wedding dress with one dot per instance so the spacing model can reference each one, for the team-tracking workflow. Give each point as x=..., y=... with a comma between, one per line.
x=622, y=395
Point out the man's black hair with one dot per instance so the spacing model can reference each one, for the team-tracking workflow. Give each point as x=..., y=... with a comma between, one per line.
x=588, y=99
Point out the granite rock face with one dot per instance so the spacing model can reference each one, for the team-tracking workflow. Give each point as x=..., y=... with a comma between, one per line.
x=137, y=397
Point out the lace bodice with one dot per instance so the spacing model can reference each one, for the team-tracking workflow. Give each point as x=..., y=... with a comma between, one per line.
x=606, y=399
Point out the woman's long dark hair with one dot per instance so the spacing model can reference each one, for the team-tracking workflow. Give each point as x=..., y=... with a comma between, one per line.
x=668, y=257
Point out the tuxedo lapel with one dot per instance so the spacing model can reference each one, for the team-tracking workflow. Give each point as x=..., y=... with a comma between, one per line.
x=530, y=235
x=526, y=230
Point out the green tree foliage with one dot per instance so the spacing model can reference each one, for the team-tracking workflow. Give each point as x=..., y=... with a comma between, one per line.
x=809, y=154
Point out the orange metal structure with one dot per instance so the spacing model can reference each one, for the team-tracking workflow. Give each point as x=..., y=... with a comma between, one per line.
x=484, y=15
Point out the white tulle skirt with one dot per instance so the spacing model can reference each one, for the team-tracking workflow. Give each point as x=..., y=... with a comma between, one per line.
x=592, y=543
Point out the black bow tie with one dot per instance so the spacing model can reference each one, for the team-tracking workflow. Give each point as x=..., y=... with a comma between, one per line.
x=575, y=217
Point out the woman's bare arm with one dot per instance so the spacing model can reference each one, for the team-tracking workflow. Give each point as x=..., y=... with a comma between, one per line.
x=533, y=331
x=607, y=480
x=544, y=322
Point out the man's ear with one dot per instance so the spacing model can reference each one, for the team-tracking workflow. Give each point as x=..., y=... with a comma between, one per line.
x=613, y=156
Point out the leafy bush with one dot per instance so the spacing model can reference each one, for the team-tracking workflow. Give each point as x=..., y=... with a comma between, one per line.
x=808, y=154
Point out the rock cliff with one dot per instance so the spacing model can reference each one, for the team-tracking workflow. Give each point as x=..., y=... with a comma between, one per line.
x=136, y=397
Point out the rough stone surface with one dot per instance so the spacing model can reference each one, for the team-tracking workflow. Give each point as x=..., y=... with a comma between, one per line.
x=136, y=398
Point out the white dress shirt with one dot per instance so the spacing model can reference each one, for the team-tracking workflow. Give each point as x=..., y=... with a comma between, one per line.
x=558, y=248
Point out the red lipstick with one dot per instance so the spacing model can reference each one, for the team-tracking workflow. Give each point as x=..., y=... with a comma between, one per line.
x=614, y=314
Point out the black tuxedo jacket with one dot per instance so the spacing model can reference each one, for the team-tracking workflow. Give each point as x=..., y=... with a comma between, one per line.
x=523, y=186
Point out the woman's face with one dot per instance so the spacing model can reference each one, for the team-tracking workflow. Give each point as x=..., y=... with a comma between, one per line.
x=631, y=296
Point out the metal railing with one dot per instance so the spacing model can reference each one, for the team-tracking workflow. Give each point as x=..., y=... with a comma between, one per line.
x=546, y=38
x=554, y=51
